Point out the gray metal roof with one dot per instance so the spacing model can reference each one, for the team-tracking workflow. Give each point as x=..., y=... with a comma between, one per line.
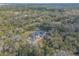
x=37, y=33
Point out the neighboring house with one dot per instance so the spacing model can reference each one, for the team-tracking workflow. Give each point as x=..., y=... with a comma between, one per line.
x=37, y=37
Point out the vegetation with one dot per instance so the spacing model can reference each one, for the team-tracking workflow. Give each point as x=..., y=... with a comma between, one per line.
x=18, y=23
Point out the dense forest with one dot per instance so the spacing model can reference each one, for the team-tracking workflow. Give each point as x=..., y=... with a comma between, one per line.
x=39, y=30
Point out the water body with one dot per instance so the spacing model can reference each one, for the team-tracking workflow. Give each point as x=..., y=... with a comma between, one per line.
x=44, y=5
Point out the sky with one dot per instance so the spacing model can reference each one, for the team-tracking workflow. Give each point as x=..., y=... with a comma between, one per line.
x=39, y=1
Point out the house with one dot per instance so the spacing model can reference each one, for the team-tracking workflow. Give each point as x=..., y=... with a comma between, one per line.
x=37, y=37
